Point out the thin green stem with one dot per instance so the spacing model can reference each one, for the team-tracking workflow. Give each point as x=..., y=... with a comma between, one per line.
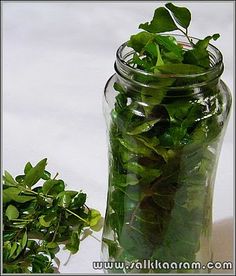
x=26, y=220
x=69, y=211
x=186, y=34
x=29, y=191
x=55, y=233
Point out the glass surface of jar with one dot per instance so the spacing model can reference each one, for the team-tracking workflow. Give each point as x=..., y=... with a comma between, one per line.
x=165, y=133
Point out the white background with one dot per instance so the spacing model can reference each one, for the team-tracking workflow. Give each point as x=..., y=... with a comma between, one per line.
x=57, y=58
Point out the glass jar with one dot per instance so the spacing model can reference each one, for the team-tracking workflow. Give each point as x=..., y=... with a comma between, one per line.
x=165, y=133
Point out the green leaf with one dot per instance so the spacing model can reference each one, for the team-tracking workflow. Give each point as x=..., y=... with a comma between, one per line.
x=199, y=54
x=142, y=63
x=161, y=22
x=98, y=226
x=152, y=96
x=170, y=44
x=164, y=196
x=23, y=199
x=149, y=142
x=118, y=87
x=28, y=167
x=197, y=57
x=20, y=178
x=46, y=175
x=52, y=245
x=139, y=41
x=192, y=115
x=141, y=170
x=35, y=173
x=8, y=235
x=121, y=101
x=94, y=217
x=12, y=212
x=24, y=240
x=135, y=146
x=79, y=200
x=72, y=194
x=144, y=127
x=8, y=178
x=18, y=250
x=113, y=247
x=9, y=194
x=74, y=242
x=151, y=50
x=64, y=199
x=12, y=194
x=53, y=186
x=159, y=58
x=203, y=43
x=131, y=193
x=181, y=15
x=13, y=249
x=180, y=69
x=124, y=180
x=132, y=238
x=43, y=222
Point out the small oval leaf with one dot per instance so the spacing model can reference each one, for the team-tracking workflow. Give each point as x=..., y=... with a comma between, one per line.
x=12, y=212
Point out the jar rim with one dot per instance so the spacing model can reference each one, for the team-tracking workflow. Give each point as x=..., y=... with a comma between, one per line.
x=215, y=70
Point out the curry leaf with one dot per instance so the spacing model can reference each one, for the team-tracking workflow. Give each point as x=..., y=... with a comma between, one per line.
x=8, y=178
x=144, y=127
x=199, y=54
x=161, y=22
x=64, y=199
x=43, y=222
x=135, y=146
x=53, y=186
x=181, y=15
x=35, y=173
x=180, y=69
x=140, y=40
x=38, y=220
x=169, y=44
x=12, y=212
x=73, y=244
x=28, y=167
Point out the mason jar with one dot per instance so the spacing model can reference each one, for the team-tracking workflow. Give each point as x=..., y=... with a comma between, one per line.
x=164, y=138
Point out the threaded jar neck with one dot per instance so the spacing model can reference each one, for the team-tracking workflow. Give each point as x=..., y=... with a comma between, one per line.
x=139, y=77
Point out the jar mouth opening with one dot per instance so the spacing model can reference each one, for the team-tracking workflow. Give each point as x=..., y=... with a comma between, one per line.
x=216, y=60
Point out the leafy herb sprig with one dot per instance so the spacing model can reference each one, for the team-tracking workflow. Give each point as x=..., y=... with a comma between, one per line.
x=155, y=52
x=39, y=215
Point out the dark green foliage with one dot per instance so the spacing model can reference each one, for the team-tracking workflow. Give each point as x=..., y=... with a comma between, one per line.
x=163, y=148
x=155, y=51
x=39, y=218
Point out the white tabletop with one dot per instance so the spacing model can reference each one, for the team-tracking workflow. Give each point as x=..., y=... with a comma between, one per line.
x=57, y=57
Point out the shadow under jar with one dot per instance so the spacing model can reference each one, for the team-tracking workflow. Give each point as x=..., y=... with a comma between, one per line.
x=165, y=133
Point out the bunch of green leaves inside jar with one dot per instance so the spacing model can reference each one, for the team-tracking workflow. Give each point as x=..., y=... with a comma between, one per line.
x=40, y=216
x=161, y=164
